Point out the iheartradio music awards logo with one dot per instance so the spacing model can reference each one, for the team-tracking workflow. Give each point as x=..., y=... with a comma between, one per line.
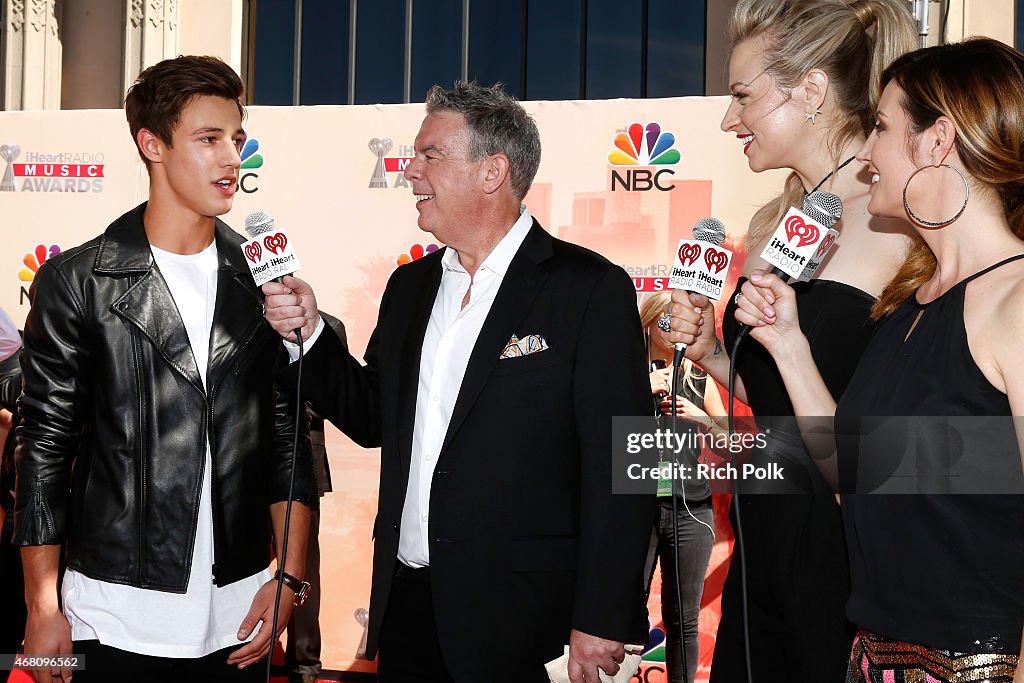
x=639, y=156
x=415, y=253
x=57, y=172
x=389, y=172
x=796, y=243
x=269, y=256
x=700, y=267
x=252, y=159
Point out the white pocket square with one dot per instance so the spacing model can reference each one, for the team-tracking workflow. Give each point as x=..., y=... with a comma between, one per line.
x=516, y=346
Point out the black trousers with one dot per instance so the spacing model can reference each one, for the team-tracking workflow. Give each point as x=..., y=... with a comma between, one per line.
x=409, y=648
x=104, y=664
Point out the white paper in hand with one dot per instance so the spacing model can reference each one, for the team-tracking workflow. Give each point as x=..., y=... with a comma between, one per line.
x=558, y=669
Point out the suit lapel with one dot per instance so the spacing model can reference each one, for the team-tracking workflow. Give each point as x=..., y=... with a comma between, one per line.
x=518, y=290
x=409, y=359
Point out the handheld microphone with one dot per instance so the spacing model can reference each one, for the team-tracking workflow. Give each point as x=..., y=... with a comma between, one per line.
x=802, y=239
x=701, y=266
x=270, y=257
x=268, y=252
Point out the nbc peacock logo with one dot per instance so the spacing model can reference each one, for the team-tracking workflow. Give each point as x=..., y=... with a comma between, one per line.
x=30, y=263
x=639, y=156
x=35, y=258
x=415, y=253
x=252, y=159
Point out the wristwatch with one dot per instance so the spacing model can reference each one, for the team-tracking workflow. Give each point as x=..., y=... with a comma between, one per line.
x=301, y=588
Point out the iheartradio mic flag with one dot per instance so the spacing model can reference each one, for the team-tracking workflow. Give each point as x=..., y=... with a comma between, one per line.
x=819, y=255
x=795, y=243
x=269, y=256
x=700, y=267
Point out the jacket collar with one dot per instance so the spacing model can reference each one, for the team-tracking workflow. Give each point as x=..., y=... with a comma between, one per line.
x=124, y=247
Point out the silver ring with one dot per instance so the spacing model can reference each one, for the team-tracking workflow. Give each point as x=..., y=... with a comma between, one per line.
x=736, y=299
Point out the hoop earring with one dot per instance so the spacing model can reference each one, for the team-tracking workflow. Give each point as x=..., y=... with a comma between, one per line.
x=940, y=224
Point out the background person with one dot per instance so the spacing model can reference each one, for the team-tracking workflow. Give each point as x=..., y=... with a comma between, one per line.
x=697, y=398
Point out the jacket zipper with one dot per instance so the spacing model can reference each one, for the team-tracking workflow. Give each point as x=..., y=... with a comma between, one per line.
x=142, y=449
x=44, y=508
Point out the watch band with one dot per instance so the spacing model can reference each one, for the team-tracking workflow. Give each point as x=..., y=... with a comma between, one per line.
x=299, y=587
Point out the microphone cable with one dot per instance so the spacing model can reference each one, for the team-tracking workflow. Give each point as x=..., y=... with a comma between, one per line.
x=288, y=508
x=736, y=507
x=675, y=534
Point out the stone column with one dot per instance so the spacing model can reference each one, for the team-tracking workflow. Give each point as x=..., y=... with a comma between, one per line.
x=151, y=35
x=30, y=51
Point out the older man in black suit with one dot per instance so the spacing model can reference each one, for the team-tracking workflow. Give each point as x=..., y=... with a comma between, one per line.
x=490, y=383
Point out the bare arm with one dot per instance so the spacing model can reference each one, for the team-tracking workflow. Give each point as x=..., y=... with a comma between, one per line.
x=47, y=631
x=262, y=610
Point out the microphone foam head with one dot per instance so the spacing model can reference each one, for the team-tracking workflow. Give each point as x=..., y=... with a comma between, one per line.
x=824, y=207
x=257, y=223
x=709, y=230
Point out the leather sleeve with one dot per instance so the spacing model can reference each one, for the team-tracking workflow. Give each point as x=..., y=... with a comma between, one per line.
x=51, y=408
x=615, y=529
x=285, y=422
x=10, y=383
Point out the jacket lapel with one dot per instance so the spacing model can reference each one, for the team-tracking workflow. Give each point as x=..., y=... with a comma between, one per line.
x=518, y=290
x=238, y=313
x=147, y=304
x=409, y=359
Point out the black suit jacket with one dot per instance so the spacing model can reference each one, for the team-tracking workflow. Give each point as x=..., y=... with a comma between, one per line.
x=526, y=539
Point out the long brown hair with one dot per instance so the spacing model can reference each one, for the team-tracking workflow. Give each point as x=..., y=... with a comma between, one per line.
x=979, y=85
x=850, y=41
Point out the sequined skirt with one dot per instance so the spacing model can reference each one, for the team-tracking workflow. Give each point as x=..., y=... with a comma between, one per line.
x=878, y=660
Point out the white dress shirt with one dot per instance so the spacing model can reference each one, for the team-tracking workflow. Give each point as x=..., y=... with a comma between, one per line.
x=450, y=337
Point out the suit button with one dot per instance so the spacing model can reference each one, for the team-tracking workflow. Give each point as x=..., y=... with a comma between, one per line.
x=394, y=525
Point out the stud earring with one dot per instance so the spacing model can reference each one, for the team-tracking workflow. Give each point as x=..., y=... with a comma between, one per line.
x=812, y=117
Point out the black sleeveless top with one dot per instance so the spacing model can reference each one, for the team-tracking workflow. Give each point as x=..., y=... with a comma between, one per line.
x=937, y=562
x=835, y=318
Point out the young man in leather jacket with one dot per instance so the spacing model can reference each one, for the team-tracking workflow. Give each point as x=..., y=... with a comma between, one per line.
x=154, y=445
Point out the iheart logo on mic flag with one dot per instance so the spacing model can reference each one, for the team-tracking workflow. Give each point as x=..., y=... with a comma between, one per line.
x=253, y=251
x=689, y=253
x=701, y=275
x=270, y=256
x=806, y=233
x=716, y=260
x=819, y=255
x=794, y=243
x=276, y=242
x=825, y=245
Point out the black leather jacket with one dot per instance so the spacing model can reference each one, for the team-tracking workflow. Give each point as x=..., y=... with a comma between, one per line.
x=115, y=418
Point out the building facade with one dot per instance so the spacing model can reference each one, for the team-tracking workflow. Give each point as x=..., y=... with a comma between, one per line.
x=83, y=54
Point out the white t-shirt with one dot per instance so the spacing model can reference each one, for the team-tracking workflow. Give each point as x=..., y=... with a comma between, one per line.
x=205, y=618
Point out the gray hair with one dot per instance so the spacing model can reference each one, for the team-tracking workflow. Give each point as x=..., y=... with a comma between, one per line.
x=497, y=123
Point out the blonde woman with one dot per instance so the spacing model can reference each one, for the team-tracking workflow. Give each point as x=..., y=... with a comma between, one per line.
x=697, y=400
x=804, y=80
